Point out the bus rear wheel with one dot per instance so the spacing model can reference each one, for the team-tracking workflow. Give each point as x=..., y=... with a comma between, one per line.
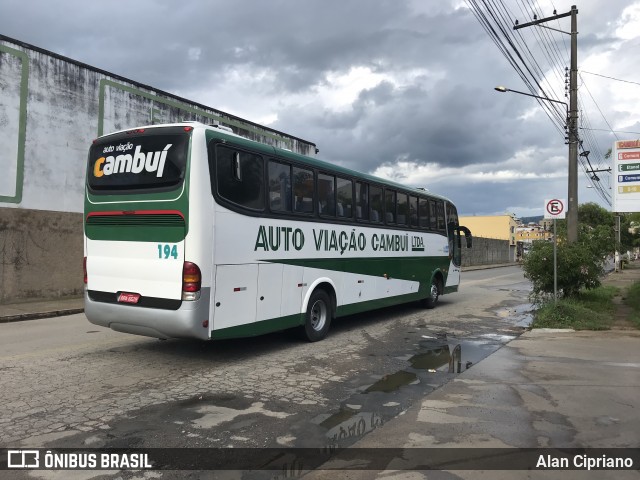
x=318, y=316
x=434, y=294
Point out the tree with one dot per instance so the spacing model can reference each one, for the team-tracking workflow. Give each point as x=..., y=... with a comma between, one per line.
x=580, y=264
x=578, y=268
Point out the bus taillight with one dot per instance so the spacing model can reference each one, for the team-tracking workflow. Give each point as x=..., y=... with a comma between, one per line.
x=191, y=281
x=84, y=268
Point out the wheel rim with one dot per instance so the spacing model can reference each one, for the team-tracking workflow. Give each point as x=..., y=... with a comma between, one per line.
x=434, y=292
x=318, y=315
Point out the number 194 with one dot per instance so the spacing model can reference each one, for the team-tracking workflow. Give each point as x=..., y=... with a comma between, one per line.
x=165, y=251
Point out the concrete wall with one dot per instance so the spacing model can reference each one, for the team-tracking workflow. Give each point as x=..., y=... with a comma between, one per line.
x=40, y=254
x=51, y=108
x=487, y=251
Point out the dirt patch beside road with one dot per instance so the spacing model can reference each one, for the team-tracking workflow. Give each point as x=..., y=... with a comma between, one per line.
x=623, y=280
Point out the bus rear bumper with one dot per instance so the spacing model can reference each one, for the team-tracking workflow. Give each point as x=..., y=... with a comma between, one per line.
x=186, y=322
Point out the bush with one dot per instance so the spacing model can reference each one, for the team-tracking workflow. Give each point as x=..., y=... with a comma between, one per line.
x=578, y=268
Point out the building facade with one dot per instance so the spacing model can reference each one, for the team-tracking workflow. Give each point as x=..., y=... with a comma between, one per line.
x=501, y=227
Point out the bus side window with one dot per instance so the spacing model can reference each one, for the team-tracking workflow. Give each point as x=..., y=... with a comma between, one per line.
x=327, y=194
x=423, y=213
x=433, y=219
x=303, y=190
x=362, y=201
x=413, y=211
x=345, y=198
x=440, y=215
x=279, y=186
x=375, y=203
x=390, y=206
x=403, y=209
x=240, y=177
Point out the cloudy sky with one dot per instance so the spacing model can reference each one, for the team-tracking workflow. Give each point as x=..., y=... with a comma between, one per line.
x=400, y=89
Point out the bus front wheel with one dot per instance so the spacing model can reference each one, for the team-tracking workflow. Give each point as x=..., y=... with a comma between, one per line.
x=318, y=316
x=434, y=294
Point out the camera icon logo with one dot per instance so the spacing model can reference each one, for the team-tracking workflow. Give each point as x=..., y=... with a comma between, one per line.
x=23, y=459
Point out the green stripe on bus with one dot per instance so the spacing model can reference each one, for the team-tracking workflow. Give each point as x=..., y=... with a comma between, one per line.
x=135, y=233
x=360, y=307
x=417, y=269
x=169, y=227
x=258, y=328
x=291, y=321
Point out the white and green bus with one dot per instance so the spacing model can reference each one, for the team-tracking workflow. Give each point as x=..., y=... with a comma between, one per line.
x=192, y=231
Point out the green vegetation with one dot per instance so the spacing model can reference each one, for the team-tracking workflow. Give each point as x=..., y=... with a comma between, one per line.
x=632, y=299
x=588, y=310
x=578, y=269
x=582, y=304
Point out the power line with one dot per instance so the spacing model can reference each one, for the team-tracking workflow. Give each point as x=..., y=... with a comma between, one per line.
x=611, y=78
x=598, y=107
x=497, y=20
x=499, y=31
x=609, y=130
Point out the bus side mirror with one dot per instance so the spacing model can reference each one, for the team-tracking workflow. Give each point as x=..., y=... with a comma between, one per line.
x=467, y=235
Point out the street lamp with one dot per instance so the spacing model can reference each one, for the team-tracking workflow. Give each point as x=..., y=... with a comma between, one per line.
x=502, y=89
x=572, y=210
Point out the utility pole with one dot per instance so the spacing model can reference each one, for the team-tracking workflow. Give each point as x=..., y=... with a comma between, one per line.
x=572, y=120
x=617, y=257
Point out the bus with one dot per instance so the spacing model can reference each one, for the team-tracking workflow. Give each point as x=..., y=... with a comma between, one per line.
x=191, y=231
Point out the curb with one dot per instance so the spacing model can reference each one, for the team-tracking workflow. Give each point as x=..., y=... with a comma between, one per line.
x=471, y=268
x=40, y=315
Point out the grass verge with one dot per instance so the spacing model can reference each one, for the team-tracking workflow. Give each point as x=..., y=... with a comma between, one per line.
x=590, y=310
x=632, y=299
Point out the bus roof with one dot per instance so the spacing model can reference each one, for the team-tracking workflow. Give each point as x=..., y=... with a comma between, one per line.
x=225, y=132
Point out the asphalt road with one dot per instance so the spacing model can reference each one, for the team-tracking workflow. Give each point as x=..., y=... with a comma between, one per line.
x=68, y=383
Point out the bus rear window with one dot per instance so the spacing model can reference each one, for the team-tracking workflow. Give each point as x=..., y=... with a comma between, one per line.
x=156, y=159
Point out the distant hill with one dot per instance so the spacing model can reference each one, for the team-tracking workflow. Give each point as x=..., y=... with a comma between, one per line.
x=526, y=220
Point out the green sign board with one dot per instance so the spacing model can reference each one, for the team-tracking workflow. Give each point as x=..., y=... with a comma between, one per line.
x=628, y=167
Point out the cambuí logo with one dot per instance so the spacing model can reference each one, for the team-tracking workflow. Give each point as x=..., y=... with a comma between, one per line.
x=134, y=162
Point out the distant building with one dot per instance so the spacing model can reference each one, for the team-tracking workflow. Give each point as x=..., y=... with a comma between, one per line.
x=528, y=234
x=502, y=227
x=547, y=224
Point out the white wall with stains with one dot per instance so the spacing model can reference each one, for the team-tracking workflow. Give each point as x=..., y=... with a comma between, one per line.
x=52, y=107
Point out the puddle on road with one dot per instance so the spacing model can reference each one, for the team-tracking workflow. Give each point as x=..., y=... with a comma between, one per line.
x=426, y=369
x=519, y=315
x=431, y=360
x=392, y=382
x=347, y=426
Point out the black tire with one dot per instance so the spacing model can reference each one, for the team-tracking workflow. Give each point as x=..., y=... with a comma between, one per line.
x=434, y=293
x=318, y=316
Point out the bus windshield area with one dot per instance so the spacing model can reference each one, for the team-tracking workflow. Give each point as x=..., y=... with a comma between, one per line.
x=150, y=159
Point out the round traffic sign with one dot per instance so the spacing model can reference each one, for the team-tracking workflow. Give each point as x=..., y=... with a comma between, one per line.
x=555, y=207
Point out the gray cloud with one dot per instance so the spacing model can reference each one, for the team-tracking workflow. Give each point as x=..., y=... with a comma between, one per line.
x=444, y=111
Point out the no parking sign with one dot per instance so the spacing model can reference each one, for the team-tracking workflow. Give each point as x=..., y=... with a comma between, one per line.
x=554, y=208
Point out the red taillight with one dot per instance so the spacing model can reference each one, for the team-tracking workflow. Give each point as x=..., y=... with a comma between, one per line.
x=191, y=281
x=84, y=268
x=188, y=129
